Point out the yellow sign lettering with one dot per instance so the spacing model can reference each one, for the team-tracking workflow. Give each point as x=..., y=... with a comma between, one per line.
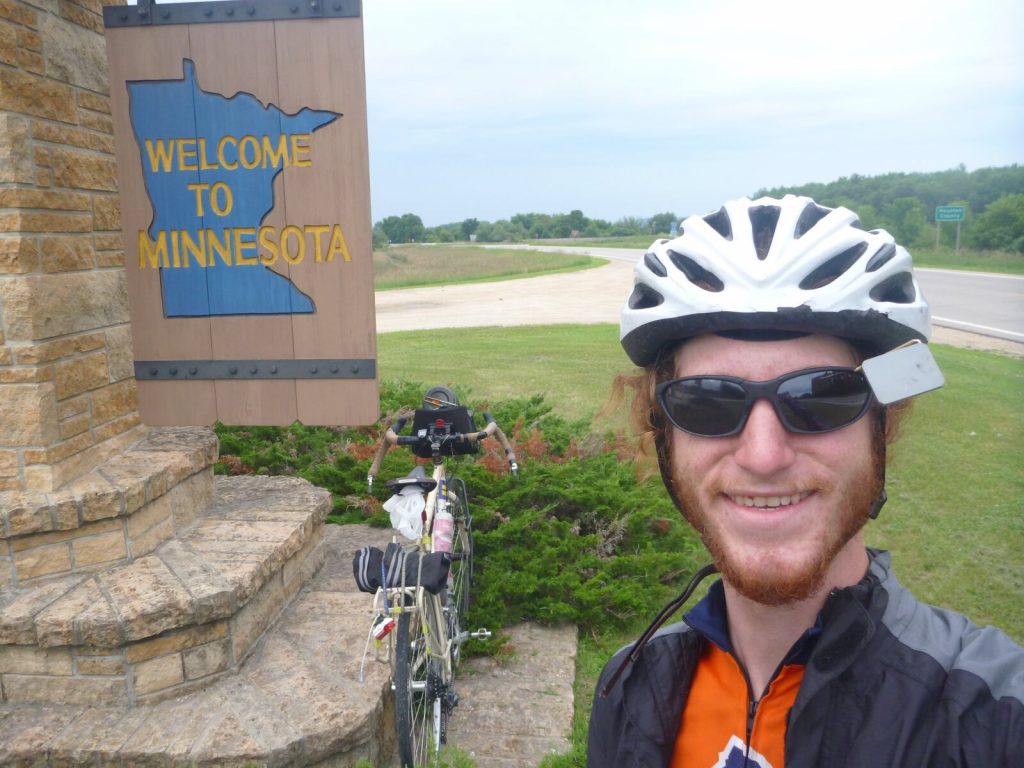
x=160, y=154
x=254, y=148
x=204, y=164
x=194, y=154
x=175, y=250
x=190, y=247
x=186, y=157
x=221, y=158
x=242, y=246
x=275, y=156
x=269, y=244
x=198, y=189
x=316, y=230
x=245, y=245
x=229, y=201
x=300, y=253
x=338, y=245
x=221, y=247
x=300, y=148
x=155, y=252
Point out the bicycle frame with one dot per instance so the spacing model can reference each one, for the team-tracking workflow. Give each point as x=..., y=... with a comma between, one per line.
x=424, y=650
x=428, y=606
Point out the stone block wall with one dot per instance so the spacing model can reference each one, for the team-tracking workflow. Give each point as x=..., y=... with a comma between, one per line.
x=67, y=389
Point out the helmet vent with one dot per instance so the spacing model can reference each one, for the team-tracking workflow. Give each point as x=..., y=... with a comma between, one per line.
x=810, y=216
x=654, y=265
x=898, y=289
x=833, y=268
x=644, y=297
x=877, y=261
x=719, y=221
x=695, y=273
x=763, y=220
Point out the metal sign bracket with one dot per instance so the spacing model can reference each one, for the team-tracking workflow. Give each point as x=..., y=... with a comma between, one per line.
x=150, y=13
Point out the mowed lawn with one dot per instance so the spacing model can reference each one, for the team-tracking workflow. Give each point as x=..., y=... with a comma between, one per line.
x=955, y=517
x=406, y=266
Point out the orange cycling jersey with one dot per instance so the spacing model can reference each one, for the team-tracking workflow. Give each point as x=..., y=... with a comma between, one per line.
x=723, y=724
x=717, y=729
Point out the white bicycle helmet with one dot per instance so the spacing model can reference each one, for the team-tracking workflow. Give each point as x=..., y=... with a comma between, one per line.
x=786, y=265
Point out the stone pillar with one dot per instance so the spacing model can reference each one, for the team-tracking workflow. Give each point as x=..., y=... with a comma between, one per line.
x=67, y=392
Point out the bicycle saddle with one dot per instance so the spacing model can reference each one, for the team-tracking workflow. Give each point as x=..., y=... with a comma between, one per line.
x=416, y=477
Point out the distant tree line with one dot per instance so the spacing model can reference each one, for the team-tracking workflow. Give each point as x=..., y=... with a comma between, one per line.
x=903, y=203
x=409, y=228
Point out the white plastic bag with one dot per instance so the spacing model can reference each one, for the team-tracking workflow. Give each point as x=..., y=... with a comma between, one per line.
x=406, y=510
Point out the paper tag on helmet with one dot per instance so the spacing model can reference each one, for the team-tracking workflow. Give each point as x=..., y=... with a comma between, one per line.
x=904, y=372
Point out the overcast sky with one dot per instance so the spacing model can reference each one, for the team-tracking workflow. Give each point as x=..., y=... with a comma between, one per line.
x=484, y=109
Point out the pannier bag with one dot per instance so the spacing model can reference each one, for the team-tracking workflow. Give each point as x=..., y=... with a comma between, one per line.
x=373, y=568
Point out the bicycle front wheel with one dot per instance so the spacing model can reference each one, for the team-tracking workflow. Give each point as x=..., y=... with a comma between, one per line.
x=462, y=568
x=462, y=548
x=417, y=682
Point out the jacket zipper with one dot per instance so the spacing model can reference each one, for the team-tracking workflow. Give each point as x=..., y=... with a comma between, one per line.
x=751, y=714
x=753, y=703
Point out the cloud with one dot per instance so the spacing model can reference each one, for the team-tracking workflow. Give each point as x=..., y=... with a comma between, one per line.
x=472, y=103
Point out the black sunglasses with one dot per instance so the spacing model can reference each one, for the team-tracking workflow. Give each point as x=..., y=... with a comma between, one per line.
x=809, y=401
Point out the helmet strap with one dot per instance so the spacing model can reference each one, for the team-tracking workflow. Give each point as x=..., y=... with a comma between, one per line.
x=665, y=465
x=879, y=502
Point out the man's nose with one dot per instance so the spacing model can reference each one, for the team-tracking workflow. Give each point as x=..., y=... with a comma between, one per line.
x=765, y=446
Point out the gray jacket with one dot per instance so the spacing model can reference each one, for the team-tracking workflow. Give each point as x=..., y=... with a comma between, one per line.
x=890, y=681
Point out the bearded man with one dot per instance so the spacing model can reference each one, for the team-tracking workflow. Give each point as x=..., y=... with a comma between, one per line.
x=780, y=344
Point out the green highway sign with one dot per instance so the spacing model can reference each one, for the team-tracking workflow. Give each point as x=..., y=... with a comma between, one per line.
x=950, y=213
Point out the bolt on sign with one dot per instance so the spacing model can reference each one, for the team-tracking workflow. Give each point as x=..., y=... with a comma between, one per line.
x=240, y=133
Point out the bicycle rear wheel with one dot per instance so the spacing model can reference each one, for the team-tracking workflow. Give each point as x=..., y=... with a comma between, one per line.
x=418, y=687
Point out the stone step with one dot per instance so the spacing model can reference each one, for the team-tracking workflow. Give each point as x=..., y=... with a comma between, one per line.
x=296, y=701
x=121, y=510
x=172, y=620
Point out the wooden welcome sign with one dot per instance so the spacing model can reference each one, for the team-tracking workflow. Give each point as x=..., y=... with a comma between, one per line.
x=240, y=132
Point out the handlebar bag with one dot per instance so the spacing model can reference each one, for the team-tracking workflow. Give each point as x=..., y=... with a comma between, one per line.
x=454, y=420
x=374, y=568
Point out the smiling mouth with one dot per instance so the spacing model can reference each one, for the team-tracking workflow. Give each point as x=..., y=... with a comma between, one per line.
x=764, y=502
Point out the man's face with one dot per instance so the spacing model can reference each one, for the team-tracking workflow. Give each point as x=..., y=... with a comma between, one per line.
x=779, y=512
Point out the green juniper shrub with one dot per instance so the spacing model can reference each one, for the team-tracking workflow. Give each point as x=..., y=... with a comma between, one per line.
x=575, y=539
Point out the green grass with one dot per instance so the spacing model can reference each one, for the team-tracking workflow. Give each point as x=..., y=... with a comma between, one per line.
x=980, y=261
x=571, y=365
x=955, y=518
x=409, y=266
x=628, y=241
x=956, y=484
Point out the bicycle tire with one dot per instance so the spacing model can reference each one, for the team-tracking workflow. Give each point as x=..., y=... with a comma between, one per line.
x=462, y=566
x=418, y=707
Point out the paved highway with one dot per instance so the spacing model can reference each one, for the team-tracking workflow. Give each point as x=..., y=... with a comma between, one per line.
x=978, y=302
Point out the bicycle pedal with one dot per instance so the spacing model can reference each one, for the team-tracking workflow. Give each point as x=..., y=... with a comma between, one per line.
x=480, y=634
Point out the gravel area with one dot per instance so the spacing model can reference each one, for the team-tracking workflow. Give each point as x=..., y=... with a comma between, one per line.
x=589, y=296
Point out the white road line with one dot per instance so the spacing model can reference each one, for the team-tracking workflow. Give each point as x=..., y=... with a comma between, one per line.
x=979, y=327
x=999, y=275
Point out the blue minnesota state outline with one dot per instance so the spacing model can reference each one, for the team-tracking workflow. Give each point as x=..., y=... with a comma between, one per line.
x=209, y=163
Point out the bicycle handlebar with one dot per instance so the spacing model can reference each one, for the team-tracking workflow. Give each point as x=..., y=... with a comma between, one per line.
x=392, y=438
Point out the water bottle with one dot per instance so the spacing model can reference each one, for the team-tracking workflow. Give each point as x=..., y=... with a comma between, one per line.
x=444, y=529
